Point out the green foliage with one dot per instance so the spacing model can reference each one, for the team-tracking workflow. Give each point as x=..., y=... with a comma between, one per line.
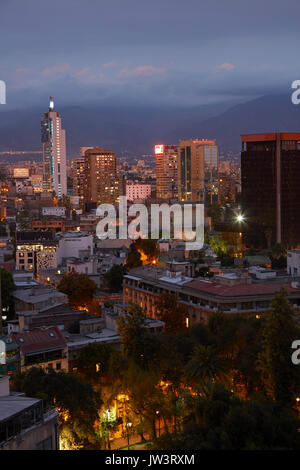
x=219, y=246
x=79, y=288
x=94, y=360
x=114, y=278
x=145, y=397
x=138, y=344
x=77, y=402
x=219, y=420
x=205, y=365
x=279, y=375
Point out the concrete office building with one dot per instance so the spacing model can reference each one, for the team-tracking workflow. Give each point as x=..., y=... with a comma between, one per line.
x=102, y=183
x=166, y=169
x=198, y=162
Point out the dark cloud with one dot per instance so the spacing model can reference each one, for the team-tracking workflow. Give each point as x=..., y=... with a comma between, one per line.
x=139, y=51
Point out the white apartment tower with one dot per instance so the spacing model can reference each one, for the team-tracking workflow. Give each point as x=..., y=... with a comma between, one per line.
x=54, y=152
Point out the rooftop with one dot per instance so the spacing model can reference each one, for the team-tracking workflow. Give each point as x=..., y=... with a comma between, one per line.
x=39, y=340
x=265, y=288
x=270, y=136
x=81, y=340
x=38, y=294
x=14, y=404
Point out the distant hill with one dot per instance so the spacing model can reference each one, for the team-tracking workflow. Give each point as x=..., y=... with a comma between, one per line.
x=134, y=130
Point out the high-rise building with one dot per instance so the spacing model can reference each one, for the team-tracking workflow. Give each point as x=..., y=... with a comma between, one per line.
x=54, y=152
x=102, y=183
x=137, y=191
x=166, y=171
x=198, y=162
x=78, y=175
x=226, y=189
x=270, y=165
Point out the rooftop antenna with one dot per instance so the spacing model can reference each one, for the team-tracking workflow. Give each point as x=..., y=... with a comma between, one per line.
x=51, y=104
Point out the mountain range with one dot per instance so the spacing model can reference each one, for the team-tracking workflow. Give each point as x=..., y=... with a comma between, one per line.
x=133, y=131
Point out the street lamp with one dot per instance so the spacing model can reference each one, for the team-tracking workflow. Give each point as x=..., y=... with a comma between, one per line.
x=157, y=414
x=240, y=218
x=128, y=425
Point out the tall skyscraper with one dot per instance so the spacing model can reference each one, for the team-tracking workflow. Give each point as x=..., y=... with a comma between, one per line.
x=198, y=162
x=54, y=152
x=102, y=183
x=78, y=176
x=270, y=165
x=166, y=171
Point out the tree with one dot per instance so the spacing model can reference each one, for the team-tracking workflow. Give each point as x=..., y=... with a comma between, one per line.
x=133, y=258
x=171, y=313
x=77, y=402
x=145, y=397
x=218, y=420
x=279, y=376
x=205, y=365
x=138, y=344
x=114, y=278
x=94, y=360
x=219, y=246
x=79, y=288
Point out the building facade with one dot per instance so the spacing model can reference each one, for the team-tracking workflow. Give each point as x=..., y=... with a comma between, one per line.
x=230, y=293
x=35, y=250
x=198, y=162
x=137, y=191
x=43, y=347
x=102, y=183
x=54, y=152
x=166, y=169
x=270, y=165
x=78, y=176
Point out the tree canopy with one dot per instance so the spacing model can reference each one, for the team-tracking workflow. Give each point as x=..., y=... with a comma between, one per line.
x=79, y=288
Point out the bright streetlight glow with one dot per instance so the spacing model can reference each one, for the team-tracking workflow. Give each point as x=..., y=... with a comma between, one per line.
x=240, y=218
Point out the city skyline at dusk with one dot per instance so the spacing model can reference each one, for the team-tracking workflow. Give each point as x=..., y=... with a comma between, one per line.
x=149, y=229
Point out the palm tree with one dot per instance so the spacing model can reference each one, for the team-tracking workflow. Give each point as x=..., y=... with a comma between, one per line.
x=205, y=365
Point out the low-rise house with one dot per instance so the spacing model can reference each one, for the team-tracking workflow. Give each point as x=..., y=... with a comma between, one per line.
x=62, y=316
x=37, y=298
x=43, y=347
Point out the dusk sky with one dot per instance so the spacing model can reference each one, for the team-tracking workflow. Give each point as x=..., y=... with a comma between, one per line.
x=171, y=52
